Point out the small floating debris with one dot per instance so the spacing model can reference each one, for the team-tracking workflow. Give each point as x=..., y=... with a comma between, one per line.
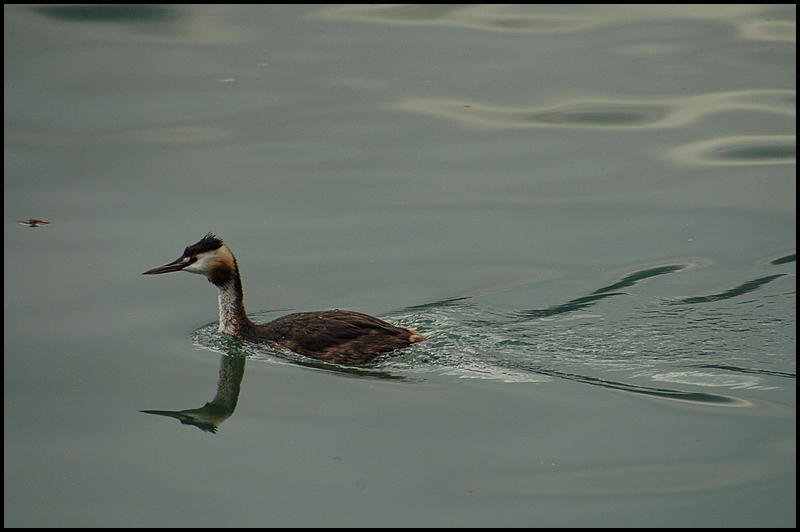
x=34, y=222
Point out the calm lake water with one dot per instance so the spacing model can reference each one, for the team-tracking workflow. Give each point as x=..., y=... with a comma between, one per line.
x=590, y=211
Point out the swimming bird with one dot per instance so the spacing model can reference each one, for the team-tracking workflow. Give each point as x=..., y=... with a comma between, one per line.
x=338, y=336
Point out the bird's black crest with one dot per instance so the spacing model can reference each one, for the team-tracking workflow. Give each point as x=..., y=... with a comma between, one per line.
x=207, y=243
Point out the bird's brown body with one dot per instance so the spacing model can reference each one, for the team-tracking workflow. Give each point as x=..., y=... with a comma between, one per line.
x=339, y=336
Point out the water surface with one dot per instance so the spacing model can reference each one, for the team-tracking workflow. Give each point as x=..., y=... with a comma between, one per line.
x=591, y=212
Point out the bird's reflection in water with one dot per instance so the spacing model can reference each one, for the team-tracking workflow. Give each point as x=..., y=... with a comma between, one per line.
x=231, y=372
x=208, y=417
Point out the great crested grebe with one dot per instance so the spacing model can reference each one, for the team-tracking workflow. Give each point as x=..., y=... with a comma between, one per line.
x=339, y=336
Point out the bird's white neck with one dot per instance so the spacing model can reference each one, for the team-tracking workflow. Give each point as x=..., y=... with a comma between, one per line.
x=233, y=319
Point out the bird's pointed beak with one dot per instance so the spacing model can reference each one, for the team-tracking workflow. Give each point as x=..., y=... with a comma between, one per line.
x=174, y=266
